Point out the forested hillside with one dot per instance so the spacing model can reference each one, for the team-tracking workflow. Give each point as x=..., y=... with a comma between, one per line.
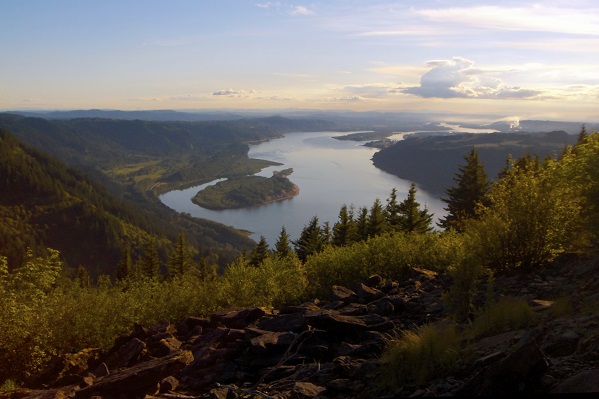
x=43, y=204
x=431, y=160
x=132, y=160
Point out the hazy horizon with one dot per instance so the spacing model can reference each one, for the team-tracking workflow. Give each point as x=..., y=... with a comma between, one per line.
x=513, y=59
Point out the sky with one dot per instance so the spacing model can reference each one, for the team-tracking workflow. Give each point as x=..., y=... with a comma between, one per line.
x=513, y=59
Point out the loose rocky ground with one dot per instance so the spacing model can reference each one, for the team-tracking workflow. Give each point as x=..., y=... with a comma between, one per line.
x=331, y=348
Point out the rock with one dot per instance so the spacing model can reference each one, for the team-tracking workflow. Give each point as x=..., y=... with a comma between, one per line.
x=270, y=342
x=168, y=384
x=140, y=379
x=488, y=359
x=63, y=367
x=374, y=281
x=336, y=324
x=343, y=294
x=305, y=390
x=126, y=354
x=583, y=382
x=518, y=373
x=368, y=294
x=237, y=317
x=283, y=323
x=561, y=345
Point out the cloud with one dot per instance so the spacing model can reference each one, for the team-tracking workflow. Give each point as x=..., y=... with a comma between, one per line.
x=269, y=4
x=294, y=10
x=537, y=18
x=456, y=78
x=233, y=93
x=372, y=90
x=301, y=10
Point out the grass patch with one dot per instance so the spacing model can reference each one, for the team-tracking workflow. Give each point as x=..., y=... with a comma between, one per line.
x=134, y=167
x=418, y=356
x=508, y=313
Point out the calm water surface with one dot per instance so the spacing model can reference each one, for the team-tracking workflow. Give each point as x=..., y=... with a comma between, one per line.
x=328, y=172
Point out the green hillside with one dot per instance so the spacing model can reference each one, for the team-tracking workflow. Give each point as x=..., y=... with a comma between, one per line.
x=431, y=160
x=43, y=204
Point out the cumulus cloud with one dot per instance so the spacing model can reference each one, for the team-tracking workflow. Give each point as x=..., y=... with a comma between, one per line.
x=456, y=78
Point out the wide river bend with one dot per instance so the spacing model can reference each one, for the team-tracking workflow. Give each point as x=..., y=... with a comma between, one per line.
x=329, y=173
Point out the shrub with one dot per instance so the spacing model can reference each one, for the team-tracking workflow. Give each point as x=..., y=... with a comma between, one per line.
x=388, y=255
x=534, y=216
x=276, y=281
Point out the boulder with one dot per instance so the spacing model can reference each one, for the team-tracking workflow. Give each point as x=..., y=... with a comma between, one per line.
x=138, y=380
x=584, y=382
x=237, y=317
x=518, y=373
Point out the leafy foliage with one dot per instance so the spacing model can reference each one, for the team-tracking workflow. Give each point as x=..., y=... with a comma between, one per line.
x=533, y=216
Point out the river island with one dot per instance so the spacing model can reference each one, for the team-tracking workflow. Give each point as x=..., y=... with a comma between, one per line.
x=244, y=191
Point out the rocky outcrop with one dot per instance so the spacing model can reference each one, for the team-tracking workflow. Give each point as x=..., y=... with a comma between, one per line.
x=331, y=348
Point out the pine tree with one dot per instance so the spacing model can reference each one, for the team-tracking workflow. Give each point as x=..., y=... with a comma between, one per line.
x=282, y=246
x=583, y=135
x=377, y=221
x=150, y=265
x=310, y=240
x=362, y=224
x=392, y=210
x=181, y=259
x=206, y=271
x=259, y=253
x=414, y=219
x=125, y=266
x=471, y=188
x=344, y=230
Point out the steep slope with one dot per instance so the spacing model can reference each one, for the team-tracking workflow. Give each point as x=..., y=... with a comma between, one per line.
x=43, y=204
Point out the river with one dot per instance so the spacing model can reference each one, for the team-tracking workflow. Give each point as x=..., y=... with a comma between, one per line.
x=329, y=173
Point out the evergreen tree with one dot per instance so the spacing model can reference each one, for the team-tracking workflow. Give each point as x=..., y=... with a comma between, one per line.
x=206, y=270
x=326, y=233
x=181, y=259
x=259, y=253
x=310, y=240
x=362, y=224
x=414, y=219
x=377, y=221
x=282, y=246
x=392, y=210
x=124, y=268
x=583, y=135
x=344, y=231
x=471, y=188
x=150, y=265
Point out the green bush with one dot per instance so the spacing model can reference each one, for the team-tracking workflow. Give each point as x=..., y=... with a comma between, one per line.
x=534, y=216
x=276, y=281
x=388, y=255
